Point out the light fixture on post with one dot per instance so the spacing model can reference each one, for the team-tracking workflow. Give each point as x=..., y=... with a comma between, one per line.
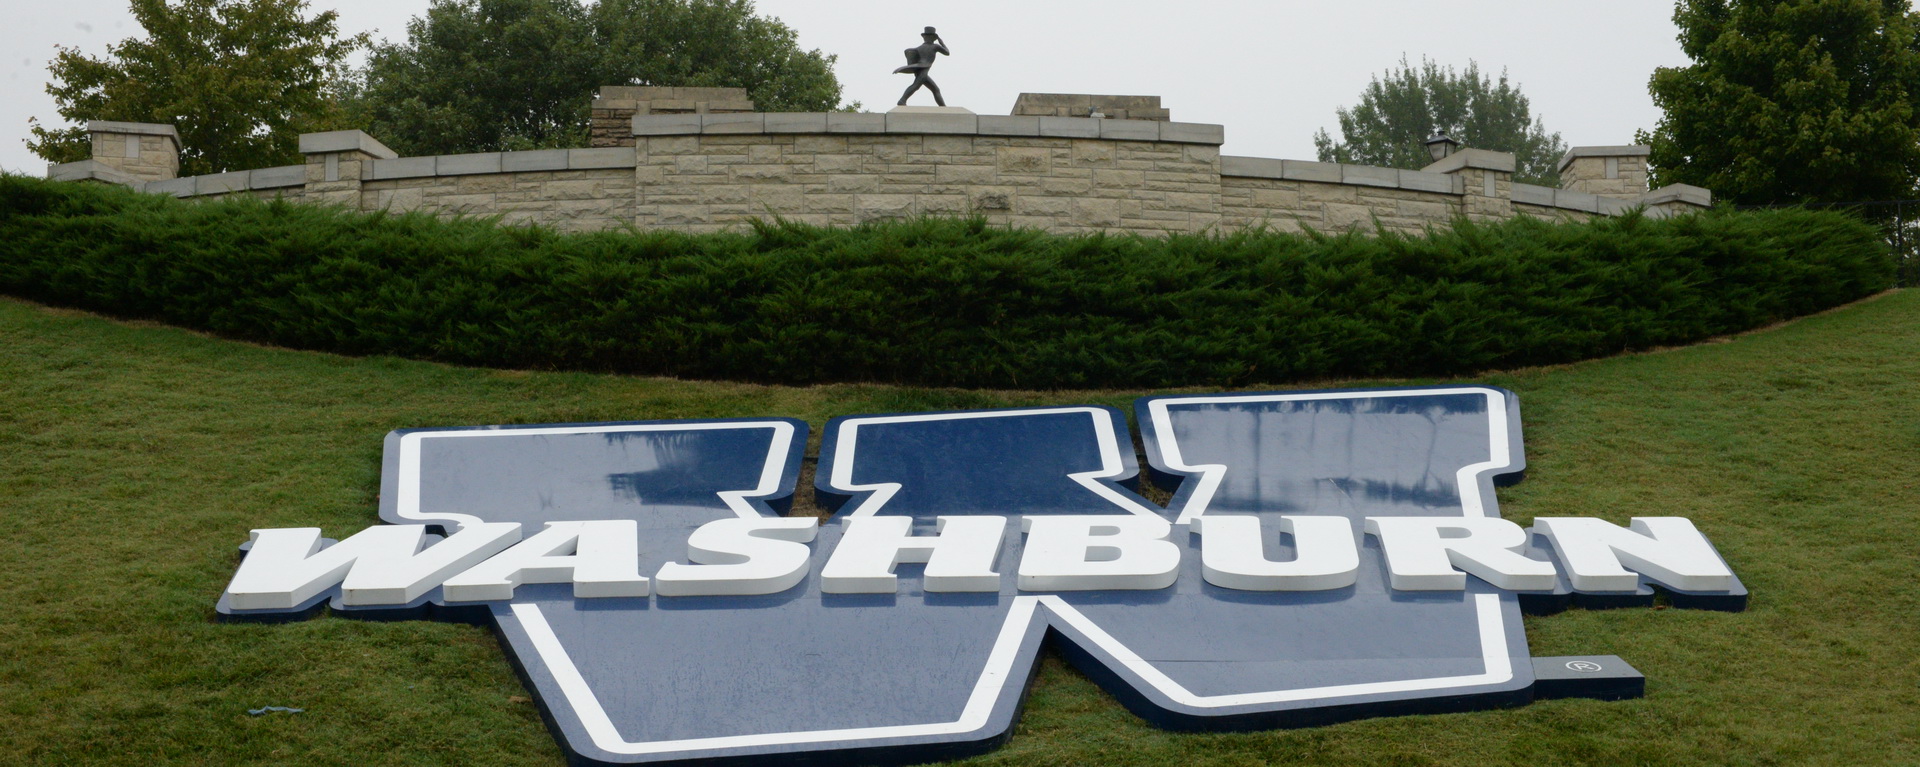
x=1439, y=145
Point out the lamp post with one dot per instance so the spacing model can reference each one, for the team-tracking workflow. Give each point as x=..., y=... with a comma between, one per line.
x=1439, y=145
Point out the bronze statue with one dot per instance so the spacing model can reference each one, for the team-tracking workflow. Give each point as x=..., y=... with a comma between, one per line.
x=919, y=60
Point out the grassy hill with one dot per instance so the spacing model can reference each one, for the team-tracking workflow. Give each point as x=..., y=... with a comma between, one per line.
x=134, y=458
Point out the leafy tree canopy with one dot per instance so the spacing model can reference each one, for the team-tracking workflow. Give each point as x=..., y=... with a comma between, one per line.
x=239, y=79
x=1398, y=112
x=492, y=75
x=1791, y=101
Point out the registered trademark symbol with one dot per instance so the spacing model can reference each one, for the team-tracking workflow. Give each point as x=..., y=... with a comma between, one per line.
x=1583, y=666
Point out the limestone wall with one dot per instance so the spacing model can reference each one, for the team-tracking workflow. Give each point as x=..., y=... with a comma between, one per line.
x=710, y=172
x=709, y=182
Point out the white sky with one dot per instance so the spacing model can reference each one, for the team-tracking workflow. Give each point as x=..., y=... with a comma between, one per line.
x=1272, y=72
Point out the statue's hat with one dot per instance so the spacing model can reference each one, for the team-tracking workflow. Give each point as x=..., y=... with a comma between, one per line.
x=929, y=32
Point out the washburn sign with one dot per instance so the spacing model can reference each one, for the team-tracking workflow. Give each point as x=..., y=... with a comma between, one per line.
x=1326, y=555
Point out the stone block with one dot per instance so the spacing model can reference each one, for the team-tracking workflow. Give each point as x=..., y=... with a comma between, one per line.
x=856, y=122
x=1192, y=133
x=542, y=159
x=95, y=170
x=838, y=163
x=796, y=122
x=992, y=199
x=220, y=183
x=1090, y=211
x=466, y=164
x=177, y=187
x=280, y=177
x=1069, y=127
x=1315, y=191
x=1129, y=130
x=828, y=203
x=1090, y=153
x=964, y=174
x=667, y=145
x=1483, y=159
x=872, y=207
x=1276, y=199
x=572, y=190
x=666, y=125
x=752, y=122
x=816, y=144
x=1009, y=125
x=1024, y=160
x=1430, y=182
x=344, y=141
x=1304, y=170
x=1036, y=205
x=680, y=215
x=1609, y=206
x=1531, y=194
x=1123, y=180
x=1566, y=198
x=1640, y=151
x=853, y=183
x=484, y=182
x=762, y=173
x=404, y=167
x=1193, y=201
x=1252, y=167
x=601, y=157
x=1682, y=193
x=914, y=122
x=1368, y=175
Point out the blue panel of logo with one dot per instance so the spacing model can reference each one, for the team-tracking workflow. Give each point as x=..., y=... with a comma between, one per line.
x=1325, y=555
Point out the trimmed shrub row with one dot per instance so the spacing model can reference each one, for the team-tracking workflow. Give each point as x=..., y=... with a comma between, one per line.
x=949, y=302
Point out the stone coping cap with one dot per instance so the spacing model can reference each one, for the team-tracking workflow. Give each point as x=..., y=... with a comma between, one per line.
x=923, y=123
x=1485, y=159
x=1682, y=193
x=344, y=141
x=281, y=177
x=595, y=158
x=1337, y=173
x=144, y=129
x=1624, y=150
x=90, y=170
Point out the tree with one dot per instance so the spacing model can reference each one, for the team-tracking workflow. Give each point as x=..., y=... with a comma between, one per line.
x=491, y=75
x=1791, y=101
x=1398, y=112
x=239, y=79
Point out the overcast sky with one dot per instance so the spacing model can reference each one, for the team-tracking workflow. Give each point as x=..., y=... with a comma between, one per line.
x=1271, y=72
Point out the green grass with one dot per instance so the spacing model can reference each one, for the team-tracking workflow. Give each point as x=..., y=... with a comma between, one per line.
x=133, y=458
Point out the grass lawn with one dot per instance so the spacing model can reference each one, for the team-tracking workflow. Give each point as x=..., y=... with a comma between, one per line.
x=134, y=458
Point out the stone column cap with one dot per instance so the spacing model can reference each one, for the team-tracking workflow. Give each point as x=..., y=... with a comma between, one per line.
x=344, y=141
x=143, y=129
x=1462, y=159
x=90, y=170
x=1622, y=150
x=1684, y=193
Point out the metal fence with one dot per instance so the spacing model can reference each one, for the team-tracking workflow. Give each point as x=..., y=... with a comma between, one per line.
x=1898, y=219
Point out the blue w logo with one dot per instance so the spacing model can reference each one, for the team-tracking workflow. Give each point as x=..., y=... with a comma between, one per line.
x=935, y=666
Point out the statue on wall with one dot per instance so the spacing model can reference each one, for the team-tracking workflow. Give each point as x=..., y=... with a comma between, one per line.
x=919, y=60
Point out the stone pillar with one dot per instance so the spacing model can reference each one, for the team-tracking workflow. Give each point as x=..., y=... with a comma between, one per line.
x=1090, y=105
x=337, y=161
x=139, y=151
x=615, y=105
x=1619, y=172
x=1486, y=182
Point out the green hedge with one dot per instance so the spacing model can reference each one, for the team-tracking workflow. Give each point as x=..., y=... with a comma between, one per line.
x=937, y=302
